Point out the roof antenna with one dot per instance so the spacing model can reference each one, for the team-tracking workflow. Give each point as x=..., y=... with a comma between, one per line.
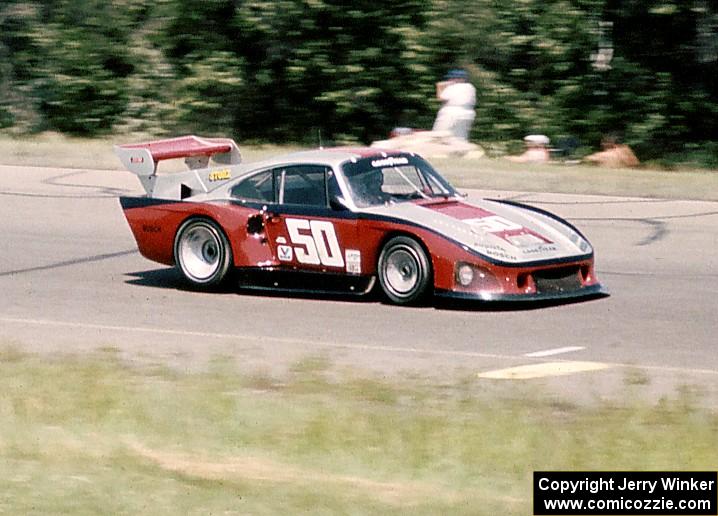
x=319, y=134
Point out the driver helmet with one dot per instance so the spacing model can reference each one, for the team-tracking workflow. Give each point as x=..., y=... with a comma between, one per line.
x=373, y=181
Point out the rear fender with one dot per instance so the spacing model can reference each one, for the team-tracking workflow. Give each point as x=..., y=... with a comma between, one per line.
x=154, y=224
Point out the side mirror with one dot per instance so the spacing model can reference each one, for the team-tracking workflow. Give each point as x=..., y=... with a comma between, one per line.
x=338, y=204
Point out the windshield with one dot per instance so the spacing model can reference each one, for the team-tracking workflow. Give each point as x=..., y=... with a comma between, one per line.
x=376, y=181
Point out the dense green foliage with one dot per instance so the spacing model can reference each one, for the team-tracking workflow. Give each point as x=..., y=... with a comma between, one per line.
x=289, y=70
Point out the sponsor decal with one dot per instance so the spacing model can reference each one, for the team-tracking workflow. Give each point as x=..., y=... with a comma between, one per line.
x=540, y=249
x=151, y=228
x=500, y=255
x=284, y=253
x=496, y=252
x=524, y=240
x=281, y=240
x=389, y=162
x=493, y=224
x=353, y=261
x=137, y=159
x=220, y=175
x=319, y=246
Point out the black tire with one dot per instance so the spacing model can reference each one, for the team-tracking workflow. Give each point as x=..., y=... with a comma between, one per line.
x=202, y=253
x=404, y=271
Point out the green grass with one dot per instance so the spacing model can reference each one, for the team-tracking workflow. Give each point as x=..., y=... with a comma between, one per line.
x=94, y=435
x=493, y=174
x=499, y=174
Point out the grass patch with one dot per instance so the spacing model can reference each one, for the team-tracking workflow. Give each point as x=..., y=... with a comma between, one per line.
x=498, y=174
x=57, y=150
x=94, y=435
x=54, y=150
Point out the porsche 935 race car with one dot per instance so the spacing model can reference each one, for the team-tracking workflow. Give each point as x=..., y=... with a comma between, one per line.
x=341, y=219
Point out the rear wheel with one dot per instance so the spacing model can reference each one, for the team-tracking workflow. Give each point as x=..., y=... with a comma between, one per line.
x=404, y=271
x=202, y=253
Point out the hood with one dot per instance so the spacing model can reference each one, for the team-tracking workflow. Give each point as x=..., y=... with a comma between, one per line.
x=498, y=231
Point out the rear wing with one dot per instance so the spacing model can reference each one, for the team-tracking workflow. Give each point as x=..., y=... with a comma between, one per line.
x=142, y=158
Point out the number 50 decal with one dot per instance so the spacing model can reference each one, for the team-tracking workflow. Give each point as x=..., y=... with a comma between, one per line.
x=321, y=245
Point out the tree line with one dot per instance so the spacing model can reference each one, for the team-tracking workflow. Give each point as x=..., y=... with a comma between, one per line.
x=291, y=70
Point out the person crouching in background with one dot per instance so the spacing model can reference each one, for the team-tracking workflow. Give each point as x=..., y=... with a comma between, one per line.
x=536, y=150
x=613, y=155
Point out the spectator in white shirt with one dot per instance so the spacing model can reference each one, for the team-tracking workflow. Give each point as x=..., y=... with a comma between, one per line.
x=459, y=98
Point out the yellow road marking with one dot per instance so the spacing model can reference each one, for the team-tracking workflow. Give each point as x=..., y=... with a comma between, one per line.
x=526, y=372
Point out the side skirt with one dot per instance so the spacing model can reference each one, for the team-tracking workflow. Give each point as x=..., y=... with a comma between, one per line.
x=277, y=280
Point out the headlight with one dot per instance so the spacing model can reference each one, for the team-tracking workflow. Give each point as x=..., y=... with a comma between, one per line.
x=478, y=278
x=465, y=274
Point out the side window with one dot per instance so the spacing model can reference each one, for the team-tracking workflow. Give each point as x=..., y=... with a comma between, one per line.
x=303, y=185
x=259, y=187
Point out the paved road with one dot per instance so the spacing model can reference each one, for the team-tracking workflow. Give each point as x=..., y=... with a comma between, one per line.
x=71, y=280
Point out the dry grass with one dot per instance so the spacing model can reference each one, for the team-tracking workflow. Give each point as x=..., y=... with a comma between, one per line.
x=54, y=150
x=93, y=435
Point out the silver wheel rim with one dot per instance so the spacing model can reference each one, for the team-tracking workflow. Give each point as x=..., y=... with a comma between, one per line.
x=401, y=271
x=200, y=252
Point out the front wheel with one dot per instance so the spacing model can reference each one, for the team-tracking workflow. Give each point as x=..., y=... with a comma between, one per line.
x=202, y=253
x=404, y=271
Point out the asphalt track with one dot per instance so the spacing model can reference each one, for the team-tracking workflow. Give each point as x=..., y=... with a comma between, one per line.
x=72, y=281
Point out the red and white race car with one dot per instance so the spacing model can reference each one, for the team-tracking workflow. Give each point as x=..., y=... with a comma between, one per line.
x=338, y=219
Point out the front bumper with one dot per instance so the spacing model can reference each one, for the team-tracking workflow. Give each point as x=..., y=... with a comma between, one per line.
x=588, y=291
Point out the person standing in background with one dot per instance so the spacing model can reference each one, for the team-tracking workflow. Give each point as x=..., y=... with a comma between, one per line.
x=459, y=98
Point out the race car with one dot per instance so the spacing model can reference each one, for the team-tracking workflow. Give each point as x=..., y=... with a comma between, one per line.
x=343, y=219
